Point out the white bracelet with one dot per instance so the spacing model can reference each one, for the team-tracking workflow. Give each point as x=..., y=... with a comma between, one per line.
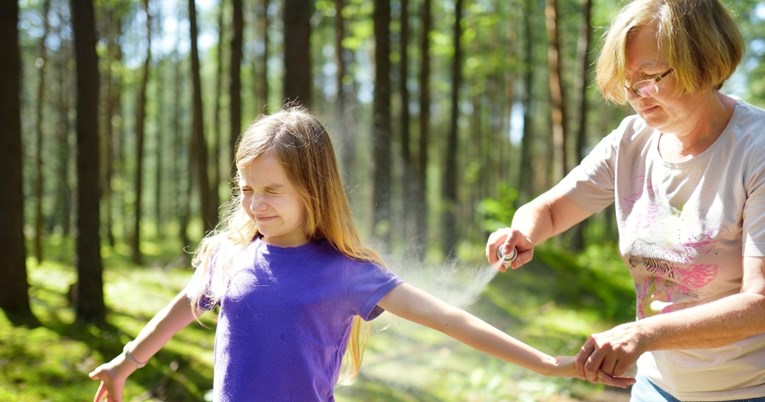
x=129, y=356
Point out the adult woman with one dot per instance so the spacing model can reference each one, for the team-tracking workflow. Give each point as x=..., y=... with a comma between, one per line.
x=686, y=175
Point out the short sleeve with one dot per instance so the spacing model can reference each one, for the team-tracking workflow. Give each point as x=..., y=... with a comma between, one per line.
x=367, y=284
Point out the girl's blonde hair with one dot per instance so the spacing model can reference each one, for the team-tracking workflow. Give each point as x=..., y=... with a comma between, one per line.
x=302, y=145
x=700, y=39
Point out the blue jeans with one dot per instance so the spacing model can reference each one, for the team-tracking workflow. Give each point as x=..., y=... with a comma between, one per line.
x=645, y=391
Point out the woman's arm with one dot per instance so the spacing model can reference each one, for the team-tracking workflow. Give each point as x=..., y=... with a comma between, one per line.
x=548, y=215
x=167, y=322
x=710, y=325
x=415, y=305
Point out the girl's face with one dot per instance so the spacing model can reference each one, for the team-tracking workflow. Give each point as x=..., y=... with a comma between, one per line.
x=272, y=202
x=666, y=110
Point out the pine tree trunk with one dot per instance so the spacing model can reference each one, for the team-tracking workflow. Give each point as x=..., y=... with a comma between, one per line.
x=140, y=134
x=209, y=212
x=297, y=56
x=14, y=299
x=421, y=176
x=381, y=131
x=450, y=181
x=89, y=303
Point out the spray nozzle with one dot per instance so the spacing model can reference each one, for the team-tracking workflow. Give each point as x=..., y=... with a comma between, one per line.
x=506, y=259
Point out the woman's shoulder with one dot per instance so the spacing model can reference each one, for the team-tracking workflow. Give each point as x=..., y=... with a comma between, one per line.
x=633, y=129
x=631, y=135
x=749, y=116
x=748, y=125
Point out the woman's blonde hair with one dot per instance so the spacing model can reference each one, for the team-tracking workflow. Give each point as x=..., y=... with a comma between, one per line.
x=302, y=145
x=701, y=41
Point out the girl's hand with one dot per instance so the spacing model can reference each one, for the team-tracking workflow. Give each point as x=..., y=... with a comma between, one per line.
x=566, y=368
x=112, y=376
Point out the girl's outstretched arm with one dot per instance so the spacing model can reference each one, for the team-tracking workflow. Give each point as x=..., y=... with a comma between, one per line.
x=167, y=322
x=415, y=305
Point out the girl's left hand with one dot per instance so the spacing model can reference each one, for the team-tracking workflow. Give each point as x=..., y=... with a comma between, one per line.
x=566, y=368
x=113, y=376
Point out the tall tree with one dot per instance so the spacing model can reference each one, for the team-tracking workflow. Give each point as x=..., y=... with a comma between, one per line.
x=526, y=172
x=347, y=143
x=405, y=119
x=111, y=132
x=450, y=181
x=39, y=137
x=557, y=93
x=297, y=58
x=89, y=304
x=423, y=143
x=160, y=145
x=140, y=136
x=209, y=211
x=14, y=300
x=235, y=78
x=260, y=69
x=215, y=127
x=63, y=192
x=583, y=49
x=381, y=131
x=181, y=162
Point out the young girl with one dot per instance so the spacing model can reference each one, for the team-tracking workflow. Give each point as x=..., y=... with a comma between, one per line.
x=294, y=283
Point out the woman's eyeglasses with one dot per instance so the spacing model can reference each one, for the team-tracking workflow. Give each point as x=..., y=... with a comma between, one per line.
x=649, y=87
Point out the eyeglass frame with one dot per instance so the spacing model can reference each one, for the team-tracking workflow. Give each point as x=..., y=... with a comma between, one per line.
x=645, y=83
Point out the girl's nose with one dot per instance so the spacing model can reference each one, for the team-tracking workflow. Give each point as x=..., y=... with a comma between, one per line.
x=257, y=203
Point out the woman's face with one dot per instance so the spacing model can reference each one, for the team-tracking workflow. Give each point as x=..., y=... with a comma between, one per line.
x=665, y=110
x=272, y=202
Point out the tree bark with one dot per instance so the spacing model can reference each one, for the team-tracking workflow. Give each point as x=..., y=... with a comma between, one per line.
x=407, y=196
x=14, y=299
x=140, y=135
x=261, y=73
x=584, y=46
x=39, y=135
x=347, y=143
x=181, y=156
x=450, y=182
x=64, y=157
x=215, y=127
x=421, y=174
x=381, y=132
x=209, y=212
x=89, y=302
x=557, y=93
x=110, y=114
x=525, y=171
x=297, y=55
x=235, y=83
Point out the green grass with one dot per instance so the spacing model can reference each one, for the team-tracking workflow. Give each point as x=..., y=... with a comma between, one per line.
x=552, y=304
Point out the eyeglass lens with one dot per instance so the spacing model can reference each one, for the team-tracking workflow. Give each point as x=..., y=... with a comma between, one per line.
x=646, y=88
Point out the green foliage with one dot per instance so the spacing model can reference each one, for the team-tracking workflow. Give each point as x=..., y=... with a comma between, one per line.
x=595, y=280
x=498, y=211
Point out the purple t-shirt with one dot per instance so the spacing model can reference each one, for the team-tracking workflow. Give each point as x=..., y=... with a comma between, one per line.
x=285, y=319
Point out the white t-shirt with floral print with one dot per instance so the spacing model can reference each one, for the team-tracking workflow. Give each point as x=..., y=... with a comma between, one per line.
x=683, y=229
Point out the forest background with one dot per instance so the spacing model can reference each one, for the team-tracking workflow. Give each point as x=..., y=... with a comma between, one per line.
x=119, y=122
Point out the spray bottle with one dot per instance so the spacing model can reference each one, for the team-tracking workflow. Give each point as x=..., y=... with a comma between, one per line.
x=506, y=259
